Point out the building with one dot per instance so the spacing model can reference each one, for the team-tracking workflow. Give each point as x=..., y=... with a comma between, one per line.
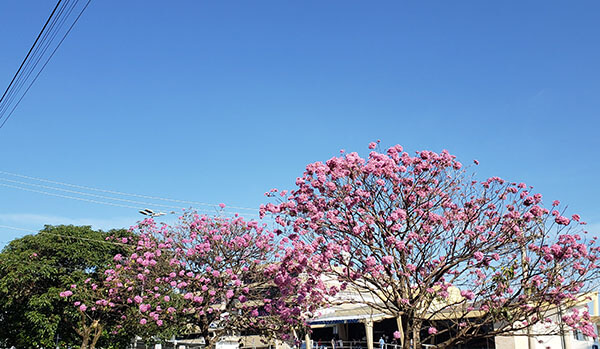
x=359, y=326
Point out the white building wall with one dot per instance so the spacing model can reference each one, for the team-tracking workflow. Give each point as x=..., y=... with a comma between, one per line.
x=545, y=337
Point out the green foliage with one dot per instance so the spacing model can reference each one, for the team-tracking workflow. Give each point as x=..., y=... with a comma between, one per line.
x=35, y=269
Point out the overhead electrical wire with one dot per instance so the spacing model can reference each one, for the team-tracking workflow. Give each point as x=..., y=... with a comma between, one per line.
x=123, y=193
x=47, y=36
x=66, y=236
x=90, y=194
x=58, y=19
x=37, y=262
x=105, y=202
x=67, y=196
x=30, y=51
x=144, y=204
x=36, y=55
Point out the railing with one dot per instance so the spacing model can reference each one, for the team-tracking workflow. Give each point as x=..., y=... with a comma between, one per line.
x=359, y=345
x=345, y=345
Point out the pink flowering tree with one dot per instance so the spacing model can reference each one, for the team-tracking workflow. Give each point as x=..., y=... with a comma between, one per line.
x=453, y=258
x=208, y=276
x=125, y=301
x=232, y=278
x=95, y=319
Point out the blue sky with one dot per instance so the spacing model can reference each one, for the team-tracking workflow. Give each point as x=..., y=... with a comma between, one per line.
x=221, y=101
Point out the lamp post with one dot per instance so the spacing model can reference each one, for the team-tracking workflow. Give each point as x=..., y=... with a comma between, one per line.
x=151, y=213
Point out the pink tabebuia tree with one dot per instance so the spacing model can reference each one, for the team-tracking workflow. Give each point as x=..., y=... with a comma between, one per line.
x=454, y=259
x=119, y=302
x=233, y=279
x=207, y=275
x=93, y=321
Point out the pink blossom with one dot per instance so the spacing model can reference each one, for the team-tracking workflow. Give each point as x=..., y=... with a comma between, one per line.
x=562, y=220
x=372, y=145
x=432, y=330
x=370, y=261
x=83, y=307
x=467, y=294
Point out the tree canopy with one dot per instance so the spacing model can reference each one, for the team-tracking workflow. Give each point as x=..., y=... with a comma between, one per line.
x=451, y=257
x=35, y=269
x=206, y=275
x=417, y=237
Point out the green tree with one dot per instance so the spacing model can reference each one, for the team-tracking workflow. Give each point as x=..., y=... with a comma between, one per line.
x=35, y=269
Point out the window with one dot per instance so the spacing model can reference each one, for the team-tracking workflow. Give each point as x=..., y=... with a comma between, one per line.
x=578, y=335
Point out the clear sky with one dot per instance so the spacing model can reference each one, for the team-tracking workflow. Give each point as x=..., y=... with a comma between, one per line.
x=219, y=101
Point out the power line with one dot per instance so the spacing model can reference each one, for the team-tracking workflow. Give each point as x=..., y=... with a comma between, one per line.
x=68, y=197
x=27, y=67
x=37, y=262
x=123, y=193
x=66, y=236
x=46, y=40
x=143, y=203
x=47, y=60
x=30, y=50
x=95, y=201
x=92, y=195
x=36, y=56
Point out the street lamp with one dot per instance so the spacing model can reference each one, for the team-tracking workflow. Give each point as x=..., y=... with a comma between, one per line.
x=149, y=212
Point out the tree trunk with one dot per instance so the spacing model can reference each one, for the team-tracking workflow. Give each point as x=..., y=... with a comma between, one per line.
x=97, y=334
x=85, y=340
x=84, y=332
x=400, y=329
x=406, y=341
x=416, y=334
x=407, y=326
x=211, y=342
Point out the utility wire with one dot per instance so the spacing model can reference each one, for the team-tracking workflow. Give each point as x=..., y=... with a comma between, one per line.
x=148, y=204
x=97, y=201
x=39, y=52
x=46, y=63
x=30, y=50
x=92, y=195
x=123, y=193
x=68, y=197
x=36, y=56
x=66, y=236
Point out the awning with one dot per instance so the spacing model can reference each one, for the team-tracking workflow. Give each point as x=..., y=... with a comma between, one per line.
x=347, y=319
x=333, y=322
